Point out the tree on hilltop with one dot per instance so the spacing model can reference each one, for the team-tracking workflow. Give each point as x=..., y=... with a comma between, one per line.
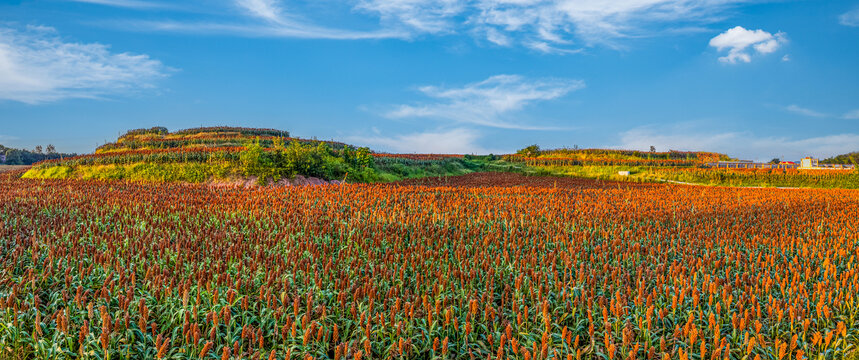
x=530, y=151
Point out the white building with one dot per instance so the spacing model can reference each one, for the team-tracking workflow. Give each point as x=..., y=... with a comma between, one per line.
x=808, y=163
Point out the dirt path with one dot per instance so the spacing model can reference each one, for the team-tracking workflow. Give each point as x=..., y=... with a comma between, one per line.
x=730, y=186
x=505, y=179
x=5, y=168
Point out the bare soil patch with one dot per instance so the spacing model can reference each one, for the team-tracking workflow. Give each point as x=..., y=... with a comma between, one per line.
x=253, y=181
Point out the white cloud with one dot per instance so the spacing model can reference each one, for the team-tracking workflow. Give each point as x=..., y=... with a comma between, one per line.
x=852, y=115
x=743, y=145
x=804, y=111
x=738, y=40
x=850, y=18
x=453, y=141
x=498, y=38
x=487, y=102
x=36, y=66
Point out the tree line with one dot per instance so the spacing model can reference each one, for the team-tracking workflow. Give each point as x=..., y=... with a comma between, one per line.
x=10, y=156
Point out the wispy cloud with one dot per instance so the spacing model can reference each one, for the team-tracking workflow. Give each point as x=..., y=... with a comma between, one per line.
x=804, y=111
x=850, y=18
x=265, y=9
x=738, y=40
x=452, y=141
x=548, y=23
x=36, y=66
x=133, y=4
x=488, y=102
x=279, y=30
x=546, y=48
x=852, y=115
x=257, y=18
x=739, y=144
x=425, y=16
x=547, y=26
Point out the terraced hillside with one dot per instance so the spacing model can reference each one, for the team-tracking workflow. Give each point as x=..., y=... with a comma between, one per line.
x=216, y=154
x=205, y=137
x=607, y=157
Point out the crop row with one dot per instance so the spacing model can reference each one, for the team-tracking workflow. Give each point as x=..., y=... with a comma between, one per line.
x=694, y=156
x=605, y=161
x=156, y=156
x=209, y=140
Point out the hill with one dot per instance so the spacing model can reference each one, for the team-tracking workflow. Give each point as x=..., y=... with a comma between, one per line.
x=849, y=158
x=231, y=153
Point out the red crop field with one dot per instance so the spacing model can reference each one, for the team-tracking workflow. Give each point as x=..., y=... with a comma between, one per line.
x=521, y=268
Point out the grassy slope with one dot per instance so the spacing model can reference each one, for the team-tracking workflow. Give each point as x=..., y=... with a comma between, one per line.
x=189, y=172
x=203, y=172
x=713, y=177
x=828, y=180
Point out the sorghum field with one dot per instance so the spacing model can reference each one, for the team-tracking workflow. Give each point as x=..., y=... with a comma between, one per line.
x=116, y=270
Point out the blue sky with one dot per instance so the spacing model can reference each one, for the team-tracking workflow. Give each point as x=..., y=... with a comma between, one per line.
x=754, y=79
